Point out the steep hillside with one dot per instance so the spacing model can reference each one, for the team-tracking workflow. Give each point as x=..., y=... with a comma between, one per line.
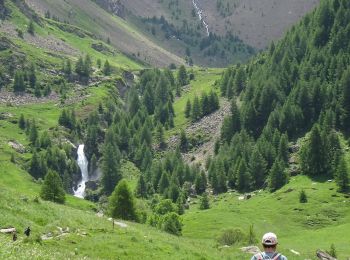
x=254, y=22
x=299, y=85
x=123, y=36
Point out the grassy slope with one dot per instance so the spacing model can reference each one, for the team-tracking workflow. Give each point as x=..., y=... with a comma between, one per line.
x=203, y=82
x=123, y=36
x=325, y=219
x=83, y=45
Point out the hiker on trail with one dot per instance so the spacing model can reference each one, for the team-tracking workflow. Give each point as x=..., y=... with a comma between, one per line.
x=269, y=242
x=27, y=231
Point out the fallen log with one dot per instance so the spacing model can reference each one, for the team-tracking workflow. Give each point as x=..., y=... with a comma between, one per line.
x=7, y=230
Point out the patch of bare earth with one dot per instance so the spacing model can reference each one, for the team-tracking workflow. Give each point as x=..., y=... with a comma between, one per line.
x=210, y=127
x=9, y=98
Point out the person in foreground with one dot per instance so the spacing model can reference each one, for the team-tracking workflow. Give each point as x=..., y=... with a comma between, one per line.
x=269, y=242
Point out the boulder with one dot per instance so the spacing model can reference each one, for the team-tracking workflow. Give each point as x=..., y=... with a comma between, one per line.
x=8, y=230
x=17, y=146
x=251, y=249
x=294, y=148
x=323, y=255
x=91, y=185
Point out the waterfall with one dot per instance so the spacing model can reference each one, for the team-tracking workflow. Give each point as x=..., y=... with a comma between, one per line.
x=83, y=165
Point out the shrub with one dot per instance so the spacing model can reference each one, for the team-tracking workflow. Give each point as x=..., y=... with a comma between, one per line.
x=165, y=206
x=231, y=237
x=332, y=251
x=252, y=240
x=171, y=223
x=302, y=197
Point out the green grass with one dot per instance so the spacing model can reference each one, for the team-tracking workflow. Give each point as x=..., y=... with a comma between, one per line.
x=325, y=219
x=18, y=209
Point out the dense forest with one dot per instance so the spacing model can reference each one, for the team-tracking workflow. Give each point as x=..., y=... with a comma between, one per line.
x=300, y=84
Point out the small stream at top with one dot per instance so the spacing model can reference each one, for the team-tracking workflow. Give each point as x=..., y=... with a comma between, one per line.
x=200, y=15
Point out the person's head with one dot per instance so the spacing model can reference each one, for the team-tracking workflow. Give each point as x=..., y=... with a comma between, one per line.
x=269, y=242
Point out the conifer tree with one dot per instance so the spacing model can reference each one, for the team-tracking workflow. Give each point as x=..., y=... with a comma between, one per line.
x=87, y=67
x=110, y=168
x=243, y=177
x=18, y=84
x=277, y=175
x=98, y=63
x=302, y=197
x=107, y=68
x=121, y=203
x=345, y=101
x=314, y=155
x=163, y=183
x=240, y=79
x=205, y=105
x=79, y=66
x=182, y=77
x=196, y=109
x=33, y=132
x=160, y=136
x=35, y=167
x=183, y=141
x=52, y=188
x=188, y=109
x=257, y=169
x=31, y=27
x=32, y=76
x=173, y=192
x=283, y=148
x=67, y=180
x=204, y=202
x=22, y=122
x=67, y=70
x=200, y=183
x=342, y=176
x=141, y=187
x=92, y=164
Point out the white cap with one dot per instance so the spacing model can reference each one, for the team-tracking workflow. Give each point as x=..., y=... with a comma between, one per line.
x=269, y=239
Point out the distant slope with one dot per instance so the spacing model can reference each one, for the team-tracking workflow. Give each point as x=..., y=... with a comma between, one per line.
x=89, y=16
x=256, y=22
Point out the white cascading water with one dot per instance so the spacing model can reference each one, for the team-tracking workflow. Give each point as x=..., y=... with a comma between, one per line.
x=83, y=165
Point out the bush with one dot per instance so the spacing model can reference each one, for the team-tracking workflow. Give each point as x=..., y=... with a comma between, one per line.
x=231, y=237
x=165, y=206
x=302, y=197
x=171, y=223
x=332, y=252
x=252, y=240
